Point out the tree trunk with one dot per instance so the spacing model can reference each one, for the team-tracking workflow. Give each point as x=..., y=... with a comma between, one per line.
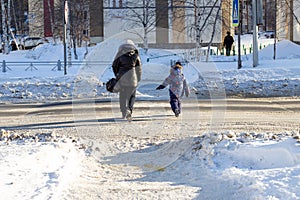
x=146, y=47
x=213, y=32
x=51, y=20
x=4, y=29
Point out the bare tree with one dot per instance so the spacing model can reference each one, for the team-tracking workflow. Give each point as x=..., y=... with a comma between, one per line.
x=15, y=11
x=79, y=21
x=286, y=17
x=141, y=14
x=35, y=16
x=72, y=30
x=213, y=31
x=290, y=6
x=205, y=17
x=5, y=40
x=50, y=9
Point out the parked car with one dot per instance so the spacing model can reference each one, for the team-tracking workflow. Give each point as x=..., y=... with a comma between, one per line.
x=12, y=45
x=266, y=34
x=269, y=34
x=31, y=42
x=24, y=42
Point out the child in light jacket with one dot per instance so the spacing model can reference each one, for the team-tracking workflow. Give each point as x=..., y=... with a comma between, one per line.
x=177, y=87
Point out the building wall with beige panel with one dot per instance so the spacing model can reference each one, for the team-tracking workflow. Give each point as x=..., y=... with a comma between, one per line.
x=287, y=20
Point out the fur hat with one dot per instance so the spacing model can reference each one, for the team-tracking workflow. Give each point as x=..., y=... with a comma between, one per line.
x=128, y=46
x=129, y=42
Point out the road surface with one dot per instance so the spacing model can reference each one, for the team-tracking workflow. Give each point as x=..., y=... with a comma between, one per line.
x=150, y=142
x=240, y=115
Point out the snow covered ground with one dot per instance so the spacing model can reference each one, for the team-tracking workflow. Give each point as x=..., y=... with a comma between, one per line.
x=42, y=166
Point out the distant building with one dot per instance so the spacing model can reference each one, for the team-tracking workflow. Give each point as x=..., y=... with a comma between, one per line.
x=106, y=18
x=45, y=18
x=268, y=16
x=287, y=26
x=176, y=25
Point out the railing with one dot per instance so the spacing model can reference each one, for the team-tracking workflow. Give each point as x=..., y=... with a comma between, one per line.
x=55, y=65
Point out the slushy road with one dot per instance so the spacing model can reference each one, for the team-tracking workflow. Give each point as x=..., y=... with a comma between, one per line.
x=73, y=117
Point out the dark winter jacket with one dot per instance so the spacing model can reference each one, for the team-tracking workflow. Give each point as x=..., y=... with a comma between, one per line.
x=127, y=66
x=228, y=41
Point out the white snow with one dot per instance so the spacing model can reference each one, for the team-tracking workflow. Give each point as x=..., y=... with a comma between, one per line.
x=38, y=167
x=38, y=170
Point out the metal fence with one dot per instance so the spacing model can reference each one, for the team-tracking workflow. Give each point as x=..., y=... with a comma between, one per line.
x=55, y=65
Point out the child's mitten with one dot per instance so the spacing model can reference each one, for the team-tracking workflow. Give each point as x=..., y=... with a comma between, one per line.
x=160, y=87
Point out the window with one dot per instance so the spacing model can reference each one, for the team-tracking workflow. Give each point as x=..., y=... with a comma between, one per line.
x=85, y=15
x=85, y=32
x=115, y=3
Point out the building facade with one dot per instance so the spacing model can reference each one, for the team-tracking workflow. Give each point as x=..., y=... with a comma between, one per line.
x=107, y=18
x=174, y=22
x=288, y=20
x=46, y=18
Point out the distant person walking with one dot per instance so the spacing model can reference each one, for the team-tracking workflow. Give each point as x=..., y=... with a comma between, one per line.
x=177, y=87
x=127, y=68
x=228, y=41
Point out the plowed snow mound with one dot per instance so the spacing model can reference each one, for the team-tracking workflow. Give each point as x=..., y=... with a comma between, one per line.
x=284, y=49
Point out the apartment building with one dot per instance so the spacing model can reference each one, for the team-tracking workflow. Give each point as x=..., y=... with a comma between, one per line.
x=173, y=21
x=46, y=18
x=288, y=20
x=106, y=18
x=178, y=24
x=268, y=16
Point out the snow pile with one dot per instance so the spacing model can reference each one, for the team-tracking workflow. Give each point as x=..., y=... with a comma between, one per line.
x=270, y=78
x=268, y=155
x=46, y=51
x=238, y=166
x=278, y=82
x=50, y=89
x=285, y=49
x=260, y=170
x=38, y=166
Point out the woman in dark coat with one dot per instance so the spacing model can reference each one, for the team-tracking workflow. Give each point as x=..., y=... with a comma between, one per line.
x=127, y=68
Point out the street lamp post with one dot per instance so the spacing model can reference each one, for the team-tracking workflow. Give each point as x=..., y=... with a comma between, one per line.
x=239, y=34
x=255, y=29
x=237, y=22
x=275, y=31
x=66, y=12
x=257, y=20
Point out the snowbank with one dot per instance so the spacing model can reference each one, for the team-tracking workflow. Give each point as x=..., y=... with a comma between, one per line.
x=238, y=166
x=38, y=166
x=285, y=49
x=235, y=166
